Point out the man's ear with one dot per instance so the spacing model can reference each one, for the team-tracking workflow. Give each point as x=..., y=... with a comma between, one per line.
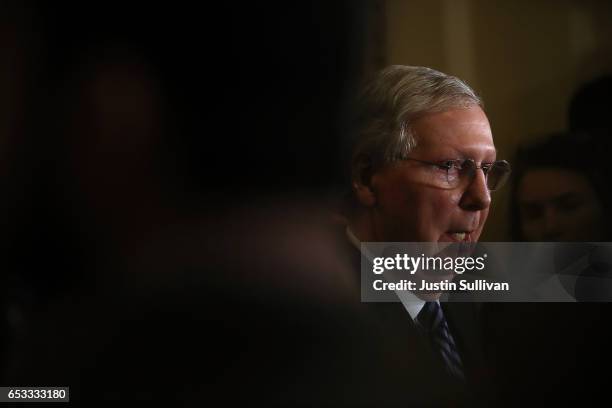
x=362, y=186
x=362, y=181
x=364, y=193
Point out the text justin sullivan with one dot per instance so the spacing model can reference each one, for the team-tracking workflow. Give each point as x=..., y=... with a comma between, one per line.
x=476, y=285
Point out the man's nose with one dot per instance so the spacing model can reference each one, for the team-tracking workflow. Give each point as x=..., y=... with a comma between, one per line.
x=477, y=196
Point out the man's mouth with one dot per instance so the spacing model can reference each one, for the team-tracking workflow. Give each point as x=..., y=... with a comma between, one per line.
x=459, y=236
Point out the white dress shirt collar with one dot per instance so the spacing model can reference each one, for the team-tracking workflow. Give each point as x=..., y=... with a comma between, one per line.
x=411, y=302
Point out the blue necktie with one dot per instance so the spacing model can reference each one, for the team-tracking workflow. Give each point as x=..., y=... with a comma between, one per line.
x=431, y=320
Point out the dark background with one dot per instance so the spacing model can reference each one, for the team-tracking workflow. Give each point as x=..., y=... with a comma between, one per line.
x=163, y=167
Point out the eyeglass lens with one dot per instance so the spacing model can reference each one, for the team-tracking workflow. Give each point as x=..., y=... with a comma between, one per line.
x=496, y=175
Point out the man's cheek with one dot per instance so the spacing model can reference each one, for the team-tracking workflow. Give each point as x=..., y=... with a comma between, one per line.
x=453, y=198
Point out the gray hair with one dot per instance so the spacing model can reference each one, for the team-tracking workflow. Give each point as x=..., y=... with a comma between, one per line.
x=391, y=102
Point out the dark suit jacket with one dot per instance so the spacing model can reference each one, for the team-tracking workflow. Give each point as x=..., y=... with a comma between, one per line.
x=426, y=371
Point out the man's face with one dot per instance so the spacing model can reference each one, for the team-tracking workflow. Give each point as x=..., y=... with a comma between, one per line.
x=559, y=205
x=410, y=207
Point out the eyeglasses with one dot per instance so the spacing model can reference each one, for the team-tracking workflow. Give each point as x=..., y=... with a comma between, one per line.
x=456, y=173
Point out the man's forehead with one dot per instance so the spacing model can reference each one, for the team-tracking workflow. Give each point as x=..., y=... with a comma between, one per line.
x=460, y=131
x=456, y=147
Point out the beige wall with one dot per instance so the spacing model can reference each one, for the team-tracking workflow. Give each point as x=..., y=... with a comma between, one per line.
x=524, y=57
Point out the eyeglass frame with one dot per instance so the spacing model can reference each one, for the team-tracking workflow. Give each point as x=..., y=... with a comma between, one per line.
x=447, y=167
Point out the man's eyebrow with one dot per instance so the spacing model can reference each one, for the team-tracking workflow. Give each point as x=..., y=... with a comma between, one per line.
x=462, y=154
